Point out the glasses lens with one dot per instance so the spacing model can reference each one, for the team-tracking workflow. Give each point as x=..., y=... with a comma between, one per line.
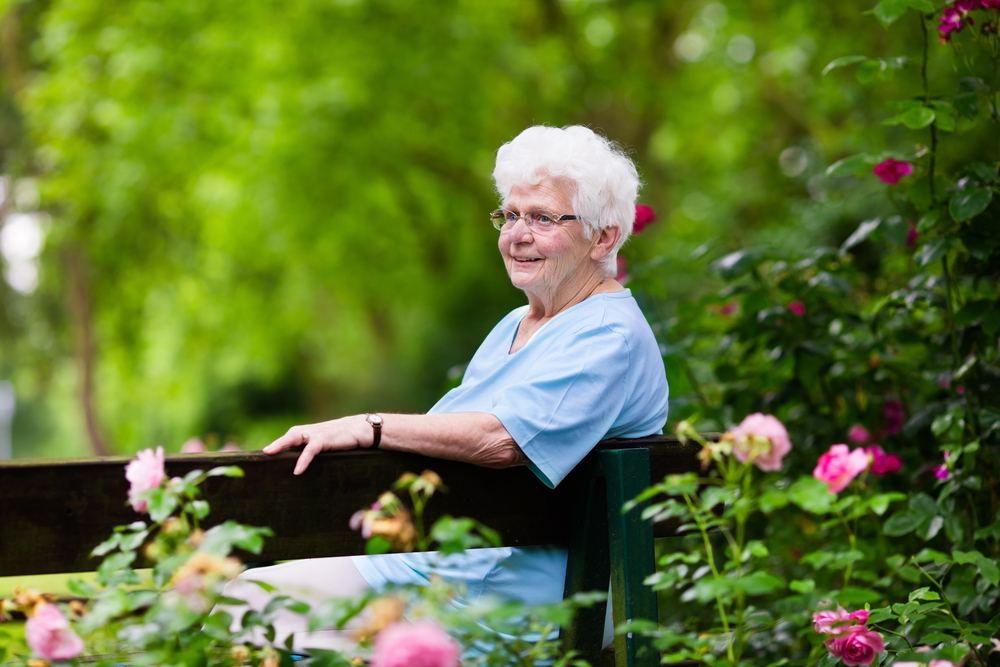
x=497, y=218
x=541, y=221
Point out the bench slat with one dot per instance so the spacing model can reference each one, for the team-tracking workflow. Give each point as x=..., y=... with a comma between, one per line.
x=53, y=512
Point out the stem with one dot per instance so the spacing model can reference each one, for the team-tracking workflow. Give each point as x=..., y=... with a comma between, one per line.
x=947, y=604
x=927, y=97
x=951, y=311
x=851, y=541
x=876, y=625
x=724, y=617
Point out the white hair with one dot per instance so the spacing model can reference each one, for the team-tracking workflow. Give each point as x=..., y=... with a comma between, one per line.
x=606, y=183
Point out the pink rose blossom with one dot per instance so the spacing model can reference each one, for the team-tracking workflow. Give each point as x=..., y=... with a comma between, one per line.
x=762, y=438
x=622, y=269
x=797, y=308
x=951, y=21
x=49, y=635
x=193, y=446
x=859, y=435
x=230, y=447
x=860, y=646
x=644, y=215
x=940, y=663
x=729, y=308
x=911, y=234
x=144, y=473
x=894, y=416
x=966, y=6
x=840, y=621
x=941, y=471
x=421, y=644
x=883, y=463
x=839, y=466
x=990, y=4
x=890, y=171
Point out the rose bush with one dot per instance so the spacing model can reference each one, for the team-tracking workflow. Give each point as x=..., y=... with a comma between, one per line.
x=888, y=341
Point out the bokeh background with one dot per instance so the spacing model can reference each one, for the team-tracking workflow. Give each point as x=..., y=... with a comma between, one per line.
x=222, y=218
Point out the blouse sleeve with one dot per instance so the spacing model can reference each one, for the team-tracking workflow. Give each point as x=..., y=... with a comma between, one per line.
x=568, y=403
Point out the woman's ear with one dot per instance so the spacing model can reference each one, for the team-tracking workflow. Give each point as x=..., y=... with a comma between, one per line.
x=606, y=240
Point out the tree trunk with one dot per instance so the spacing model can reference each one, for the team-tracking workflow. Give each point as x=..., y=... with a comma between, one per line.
x=79, y=298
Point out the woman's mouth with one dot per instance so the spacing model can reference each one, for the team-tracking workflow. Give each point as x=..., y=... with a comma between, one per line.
x=526, y=259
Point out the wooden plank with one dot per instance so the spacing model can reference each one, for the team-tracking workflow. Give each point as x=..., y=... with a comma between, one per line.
x=53, y=512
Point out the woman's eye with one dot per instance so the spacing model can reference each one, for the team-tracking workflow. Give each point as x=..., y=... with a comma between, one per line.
x=511, y=217
x=543, y=218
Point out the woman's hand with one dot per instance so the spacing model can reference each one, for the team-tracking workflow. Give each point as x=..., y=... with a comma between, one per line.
x=337, y=434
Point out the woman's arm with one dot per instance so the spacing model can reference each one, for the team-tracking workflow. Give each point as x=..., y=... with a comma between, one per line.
x=472, y=437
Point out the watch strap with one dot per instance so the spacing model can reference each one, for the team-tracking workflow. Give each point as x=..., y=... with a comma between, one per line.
x=376, y=428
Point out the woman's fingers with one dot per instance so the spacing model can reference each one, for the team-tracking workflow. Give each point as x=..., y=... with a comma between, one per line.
x=306, y=457
x=293, y=438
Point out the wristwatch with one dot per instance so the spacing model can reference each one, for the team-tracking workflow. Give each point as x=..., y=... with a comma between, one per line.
x=376, y=422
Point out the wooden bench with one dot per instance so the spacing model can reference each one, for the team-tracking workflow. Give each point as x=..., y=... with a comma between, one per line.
x=53, y=512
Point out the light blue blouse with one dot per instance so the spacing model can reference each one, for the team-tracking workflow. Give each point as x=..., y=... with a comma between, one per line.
x=593, y=371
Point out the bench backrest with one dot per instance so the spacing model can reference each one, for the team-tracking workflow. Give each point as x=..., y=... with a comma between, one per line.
x=53, y=512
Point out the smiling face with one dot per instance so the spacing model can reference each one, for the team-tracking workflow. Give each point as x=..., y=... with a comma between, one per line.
x=558, y=262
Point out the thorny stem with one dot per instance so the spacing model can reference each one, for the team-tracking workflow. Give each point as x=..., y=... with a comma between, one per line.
x=723, y=616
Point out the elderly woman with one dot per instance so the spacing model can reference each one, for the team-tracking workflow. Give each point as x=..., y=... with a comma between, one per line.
x=577, y=364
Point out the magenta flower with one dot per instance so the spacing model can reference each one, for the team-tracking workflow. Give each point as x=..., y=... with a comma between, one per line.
x=990, y=4
x=894, y=416
x=644, y=215
x=941, y=471
x=839, y=466
x=421, y=644
x=859, y=435
x=49, y=635
x=193, y=446
x=890, y=171
x=797, y=307
x=883, y=463
x=144, y=473
x=860, y=646
x=729, y=308
x=622, y=269
x=951, y=22
x=762, y=439
x=966, y=6
x=911, y=234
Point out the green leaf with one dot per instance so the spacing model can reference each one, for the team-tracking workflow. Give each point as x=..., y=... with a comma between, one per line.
x=889, y=11
x=988, y=568
x=843, y=61
x=901, y=523
x=199, y=508
x=971, y=312
x=226, y=471
x=927, y=221
x=377, y=545
x=869, y=70
x=855, y=595
x=880, y=503
x=967, y=105
x=863, y=231
x=812, y=495
x=759, y=583
x=924, y=593
x=852, y=165
x=934, y=250
x=965, y=557
x=802, y=585
x=882, y=614
x=916, y=118
x=969, y=203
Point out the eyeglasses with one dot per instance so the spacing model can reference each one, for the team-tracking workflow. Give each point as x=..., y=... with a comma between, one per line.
x=537, y=221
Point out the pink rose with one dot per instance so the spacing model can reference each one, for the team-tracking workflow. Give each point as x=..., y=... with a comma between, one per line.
x=990, y=4
x=951, y=21
x=797, y=307
x=941, y=471
x=622, y=269
x=763, y=439
x=894, y=416
x=144, y=473
x=421, y=644
x=839, y=621
x=940, y=663
x=883, y=463
x=859, y=434
x=839, y=466
x=644, y=215
x=890, y=171
x=49, y=635
x=966, y=6
x=193, y=446
x=860, y=646
x=230, y=447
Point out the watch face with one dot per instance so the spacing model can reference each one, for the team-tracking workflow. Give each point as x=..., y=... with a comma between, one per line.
x=375, y=420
